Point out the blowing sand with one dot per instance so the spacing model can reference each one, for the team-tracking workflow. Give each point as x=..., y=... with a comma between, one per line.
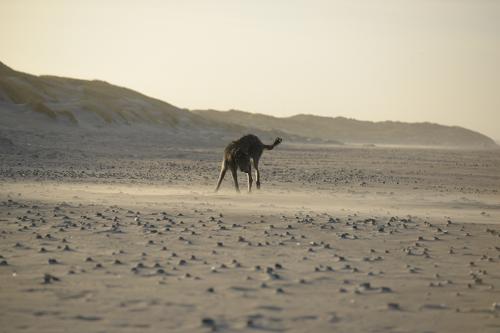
x=337, y=240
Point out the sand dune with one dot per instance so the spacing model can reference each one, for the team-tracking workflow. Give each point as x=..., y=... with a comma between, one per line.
x=354, y=131
x=42, y=104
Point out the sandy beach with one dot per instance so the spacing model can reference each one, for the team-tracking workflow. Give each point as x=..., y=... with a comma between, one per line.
x=369, y=131
x=344, y=239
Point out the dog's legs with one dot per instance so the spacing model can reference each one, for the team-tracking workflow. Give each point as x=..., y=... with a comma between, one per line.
x=222, y=174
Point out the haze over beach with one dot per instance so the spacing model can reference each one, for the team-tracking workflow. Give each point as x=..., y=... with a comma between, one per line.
x=249, y=166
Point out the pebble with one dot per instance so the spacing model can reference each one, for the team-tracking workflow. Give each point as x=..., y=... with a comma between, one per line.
x=393, y=306
x=48, y=278
x=208, y=322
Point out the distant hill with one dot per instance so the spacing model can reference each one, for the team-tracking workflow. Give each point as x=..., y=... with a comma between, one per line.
x=356, y=131
x=88, y=103
x=48, y=104
x=32, y=105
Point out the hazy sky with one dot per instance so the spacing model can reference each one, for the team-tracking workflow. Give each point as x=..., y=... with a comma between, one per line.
x=402, y=60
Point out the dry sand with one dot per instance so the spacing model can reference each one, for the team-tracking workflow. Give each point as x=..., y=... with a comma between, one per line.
x=337, y=240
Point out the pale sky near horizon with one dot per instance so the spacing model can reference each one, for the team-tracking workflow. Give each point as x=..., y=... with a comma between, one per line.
x=418, y=60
